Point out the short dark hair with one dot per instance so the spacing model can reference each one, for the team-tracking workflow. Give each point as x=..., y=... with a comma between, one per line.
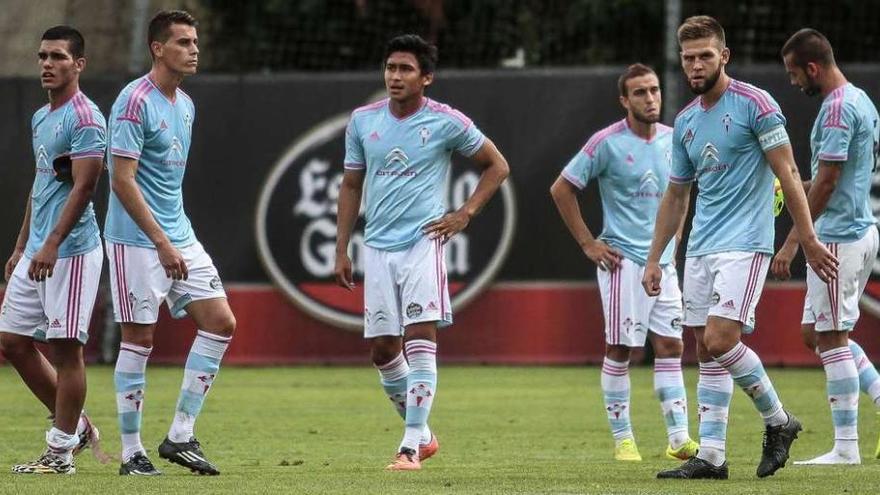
x=160, y=24
x=425, y=53
x=76, y=44
x=701, y=26
x=809, y=45
x=632, y=72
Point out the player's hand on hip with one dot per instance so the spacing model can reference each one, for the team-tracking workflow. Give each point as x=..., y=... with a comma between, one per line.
x=447, y=226
x=43, y=263
x=604, y=256
x=172, y=261
x=343, y=272
x=651, y=279
x=11, y=263
x=781, y=264
x=821, y=260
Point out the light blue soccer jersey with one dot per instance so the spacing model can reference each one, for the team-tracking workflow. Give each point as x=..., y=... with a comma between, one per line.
x=76, y=129
x=846, y=133
x=406, y=162
x=633, y=174
x=722, y=148
x=146, y=126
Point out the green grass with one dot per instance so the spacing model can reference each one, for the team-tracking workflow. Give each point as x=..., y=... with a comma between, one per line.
x=502, y=430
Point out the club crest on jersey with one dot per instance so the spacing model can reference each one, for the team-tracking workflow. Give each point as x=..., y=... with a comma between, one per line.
x=187, y=119
x=726, y=122
x=424, y=134
x=630, y=159
x=58, y=129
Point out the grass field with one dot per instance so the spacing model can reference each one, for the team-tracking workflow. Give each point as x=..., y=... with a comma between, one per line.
x=502, y=430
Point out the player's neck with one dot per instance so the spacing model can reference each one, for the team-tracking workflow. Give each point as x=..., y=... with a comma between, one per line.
x=62, y=95
x=641, y=129
x=833, y=80
x=405, y=108
x=166, y=80
x=711, y=97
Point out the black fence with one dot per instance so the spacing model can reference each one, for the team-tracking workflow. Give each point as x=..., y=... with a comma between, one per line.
x=246, y=127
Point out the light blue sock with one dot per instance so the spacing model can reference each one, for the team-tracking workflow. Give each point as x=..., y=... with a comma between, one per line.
x=393, y=376
x=421, y=384
x=616, y=392
x=669, y=388
x=202, y=366
x=130, y=381
x=714, y=392
x=747, y=371
x=843, y=396
x=869, y=379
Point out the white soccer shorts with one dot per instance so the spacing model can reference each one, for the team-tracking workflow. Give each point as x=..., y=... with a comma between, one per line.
x=58, y=308
x=139, y=284
x=835, y=306
x=630, y=313
x=727, y=285
x=405, y=287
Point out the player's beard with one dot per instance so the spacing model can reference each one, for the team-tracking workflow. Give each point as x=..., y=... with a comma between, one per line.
x=811, y=89
x=708, y=83
x=646, y=119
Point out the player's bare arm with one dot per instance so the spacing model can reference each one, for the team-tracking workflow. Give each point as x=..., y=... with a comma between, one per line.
x=85, y=172
x=348, y=205
x=495, y=170
x=670, y=216
x=818, y=194
x=20, y=242
x=565, y=196
x=126, y=189
x=782, y=163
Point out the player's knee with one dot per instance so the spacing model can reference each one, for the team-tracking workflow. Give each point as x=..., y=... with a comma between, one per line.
x=619, y=353
x=226, y=325
x=668, y=348
x=717, y=346
x=809, y=337
x=383, y=354
x=15, y=346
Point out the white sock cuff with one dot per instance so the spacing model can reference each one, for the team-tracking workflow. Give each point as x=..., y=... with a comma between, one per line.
x=395, y=369
x=210, y=345
x=667, y=365
x=733, y=356
x=836, y=355
x=615, y=368
x=422, y=355
x=132, y=358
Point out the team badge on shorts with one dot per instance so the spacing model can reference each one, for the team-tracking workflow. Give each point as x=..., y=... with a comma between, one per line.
x=414, y=310
x=215, y=283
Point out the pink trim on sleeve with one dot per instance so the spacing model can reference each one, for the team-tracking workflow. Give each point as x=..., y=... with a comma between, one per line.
x=596, y=139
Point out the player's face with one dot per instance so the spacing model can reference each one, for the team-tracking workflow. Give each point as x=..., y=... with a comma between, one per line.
x=643, y=98
x=180, y=52
x=58, y=67
x=803, y=78
x=403, y=77
x=702, y=61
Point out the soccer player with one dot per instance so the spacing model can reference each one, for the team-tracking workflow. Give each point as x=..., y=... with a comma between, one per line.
x=153, y=251
x=844, y=144
x=398, y=151
x=732, y=140
x=630, y=159
x=54, y=271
